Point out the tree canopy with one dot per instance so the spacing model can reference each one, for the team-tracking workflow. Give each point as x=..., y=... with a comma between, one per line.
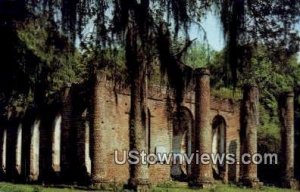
x=147, y=31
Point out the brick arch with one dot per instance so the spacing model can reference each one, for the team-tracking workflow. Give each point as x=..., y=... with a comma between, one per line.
x=219, y=127
x=218, y=118
x=182, y=140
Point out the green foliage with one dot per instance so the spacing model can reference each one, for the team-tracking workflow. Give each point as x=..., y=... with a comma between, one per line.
x=271, y=77
x=270, y=23
x=8, y=187
x=199, y=55
x=269, y=129
x=112, y=60
x=227, y=93
x=58, y=63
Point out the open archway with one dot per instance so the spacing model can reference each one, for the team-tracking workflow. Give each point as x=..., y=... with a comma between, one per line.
x=182, y=142
x=219, y=145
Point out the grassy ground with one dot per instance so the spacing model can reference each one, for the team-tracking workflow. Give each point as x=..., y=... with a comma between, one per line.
x=9, y=187
x=219, y=188
x=169, y=187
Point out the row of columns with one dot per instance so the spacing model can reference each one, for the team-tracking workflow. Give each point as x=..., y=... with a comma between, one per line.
x=22, y=156
x=249, y=126
x=38, y=152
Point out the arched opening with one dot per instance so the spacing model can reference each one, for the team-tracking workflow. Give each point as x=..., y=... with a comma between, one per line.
x=4, y=145
x=87, y=157
x=182, y=144
x=56, y=140
x=34, y=151
x=19, y=149
x=219, y=146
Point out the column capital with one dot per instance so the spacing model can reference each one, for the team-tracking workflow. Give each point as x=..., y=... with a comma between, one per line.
x=250, y=86
x=289, y=94
x=202, y=71
x=100, y=76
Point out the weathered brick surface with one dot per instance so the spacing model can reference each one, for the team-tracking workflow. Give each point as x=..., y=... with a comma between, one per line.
x=202, y=126
x=250, y=123
x=287, y=139
x=117, y=116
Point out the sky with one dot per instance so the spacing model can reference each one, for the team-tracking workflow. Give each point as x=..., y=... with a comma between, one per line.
x=213, y=30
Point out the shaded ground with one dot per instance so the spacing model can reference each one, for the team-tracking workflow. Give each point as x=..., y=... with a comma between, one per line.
x=170, y=187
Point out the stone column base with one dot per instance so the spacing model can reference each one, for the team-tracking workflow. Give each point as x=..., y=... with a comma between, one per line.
x=290, y=183
x=251, y=182
x=143, y=188
x=202, y=184
x=33, y=177
x=101, y=184
x=139, y=185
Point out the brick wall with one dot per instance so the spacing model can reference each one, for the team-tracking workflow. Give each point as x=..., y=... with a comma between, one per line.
x=117, y=117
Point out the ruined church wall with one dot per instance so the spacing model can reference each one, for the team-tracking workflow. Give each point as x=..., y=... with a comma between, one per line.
x=116, y=136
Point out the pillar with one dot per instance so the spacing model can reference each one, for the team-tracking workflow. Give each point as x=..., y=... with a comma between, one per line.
x=67, y=145
x=250, y=123
x=98, y=122
x=83, y=147
x=139, y=172
x=287, y=140
x=203, y=127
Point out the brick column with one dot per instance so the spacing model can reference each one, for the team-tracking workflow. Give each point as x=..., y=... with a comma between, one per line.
x=139, y=173
x=83, y=145
x=203, y=127
x=287, y=139
x=250, y=123
x=98, y=120
x=67, y=141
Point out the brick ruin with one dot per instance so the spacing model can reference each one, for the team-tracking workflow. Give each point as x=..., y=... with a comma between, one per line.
x=74, y=141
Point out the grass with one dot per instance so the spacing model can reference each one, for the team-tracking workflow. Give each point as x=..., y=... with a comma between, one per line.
x=179, y=187
x=167, y=187
x=9, y=187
